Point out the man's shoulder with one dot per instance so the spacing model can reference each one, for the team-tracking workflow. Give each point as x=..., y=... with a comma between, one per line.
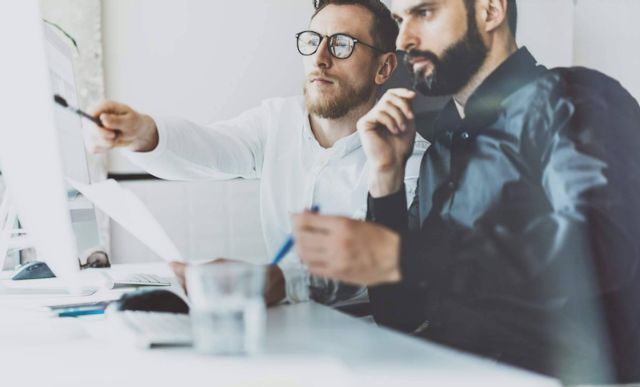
x=565, y=92
x=578, y=103
x=577, y=84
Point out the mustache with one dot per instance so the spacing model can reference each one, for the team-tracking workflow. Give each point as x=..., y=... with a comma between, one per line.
x=422, y=85
x=414, y=54
x=321, y=74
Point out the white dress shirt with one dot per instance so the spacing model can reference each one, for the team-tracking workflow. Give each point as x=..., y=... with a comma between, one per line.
x=274, y=143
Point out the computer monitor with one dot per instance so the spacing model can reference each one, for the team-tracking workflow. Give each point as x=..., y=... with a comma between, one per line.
x=69, y=127
x=29, y=142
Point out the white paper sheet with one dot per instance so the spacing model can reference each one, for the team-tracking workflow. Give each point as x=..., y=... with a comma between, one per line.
x=130, y=212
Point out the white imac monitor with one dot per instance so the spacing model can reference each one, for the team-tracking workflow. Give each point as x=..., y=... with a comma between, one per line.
x=29, y=142
x=70, y=135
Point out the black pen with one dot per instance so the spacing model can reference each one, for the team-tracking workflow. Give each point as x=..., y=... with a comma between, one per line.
x=63, y=102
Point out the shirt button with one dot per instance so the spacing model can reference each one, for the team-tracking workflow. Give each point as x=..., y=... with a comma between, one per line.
x=451, y=185
x=464, y=135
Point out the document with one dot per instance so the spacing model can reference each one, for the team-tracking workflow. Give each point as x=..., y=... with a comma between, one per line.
x=129, y=211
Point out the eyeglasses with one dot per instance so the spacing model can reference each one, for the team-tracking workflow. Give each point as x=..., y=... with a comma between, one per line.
x=340, y=45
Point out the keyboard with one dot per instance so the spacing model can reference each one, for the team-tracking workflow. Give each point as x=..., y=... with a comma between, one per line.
x=153, y=329
x=138, y=280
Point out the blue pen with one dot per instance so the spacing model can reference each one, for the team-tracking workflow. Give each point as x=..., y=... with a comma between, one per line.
x=288, y=244
x=76, y=312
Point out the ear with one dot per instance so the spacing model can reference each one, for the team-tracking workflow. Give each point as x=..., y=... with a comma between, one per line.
x=388, y=64
x=494, y=15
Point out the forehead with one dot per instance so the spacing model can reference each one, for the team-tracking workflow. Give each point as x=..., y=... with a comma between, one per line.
x=354, y=20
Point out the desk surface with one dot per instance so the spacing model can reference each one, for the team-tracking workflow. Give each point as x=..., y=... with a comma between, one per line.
x=306, y=345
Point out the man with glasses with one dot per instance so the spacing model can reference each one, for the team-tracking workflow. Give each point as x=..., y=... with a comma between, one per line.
x=305, y=150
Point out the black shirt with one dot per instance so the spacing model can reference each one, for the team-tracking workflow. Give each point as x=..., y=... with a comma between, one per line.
x=521, y=242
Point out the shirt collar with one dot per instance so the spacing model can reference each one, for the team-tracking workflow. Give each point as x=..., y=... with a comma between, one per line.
x=484, y=104
x=341, y=148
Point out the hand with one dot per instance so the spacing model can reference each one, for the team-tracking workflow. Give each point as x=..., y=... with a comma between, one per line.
x=274, y=288
x=123, y=127
x=387, y=133
x=347, y=250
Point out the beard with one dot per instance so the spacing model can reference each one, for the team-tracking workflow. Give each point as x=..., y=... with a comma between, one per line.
x=455, y=68
x=338, y=104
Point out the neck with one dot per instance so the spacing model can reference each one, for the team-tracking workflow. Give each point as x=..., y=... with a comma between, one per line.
x=495, y=58
x=328, y=131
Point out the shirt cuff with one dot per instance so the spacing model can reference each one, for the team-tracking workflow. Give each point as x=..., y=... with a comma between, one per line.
x=296, y=281
x=389, y=211
x=158, y=151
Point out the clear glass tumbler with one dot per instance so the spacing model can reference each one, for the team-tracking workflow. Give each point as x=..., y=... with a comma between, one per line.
x=228, y=312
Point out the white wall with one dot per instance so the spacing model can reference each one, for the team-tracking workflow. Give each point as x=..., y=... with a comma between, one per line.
x=546, y=28
x=608, y=39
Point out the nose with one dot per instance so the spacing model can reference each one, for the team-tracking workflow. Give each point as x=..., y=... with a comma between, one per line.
x=322, y=57
x=407, y=39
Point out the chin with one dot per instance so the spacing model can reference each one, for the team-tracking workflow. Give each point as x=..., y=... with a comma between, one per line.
x=322, y=97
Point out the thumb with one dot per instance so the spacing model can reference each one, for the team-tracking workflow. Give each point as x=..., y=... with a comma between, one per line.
x=112, y=121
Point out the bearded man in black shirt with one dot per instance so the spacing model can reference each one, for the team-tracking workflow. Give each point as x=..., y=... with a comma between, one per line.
x=520, y=243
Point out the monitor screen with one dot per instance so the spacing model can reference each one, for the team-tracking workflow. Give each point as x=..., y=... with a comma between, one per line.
x=70, y=134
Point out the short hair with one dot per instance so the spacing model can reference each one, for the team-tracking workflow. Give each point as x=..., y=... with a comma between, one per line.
x=512, y=14
x=384, y=29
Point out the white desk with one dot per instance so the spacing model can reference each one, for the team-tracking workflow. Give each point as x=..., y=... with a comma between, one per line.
x=306, y=345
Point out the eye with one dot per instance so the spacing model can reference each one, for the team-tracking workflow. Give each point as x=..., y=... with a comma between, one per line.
x=425, y=12
x=398, y=20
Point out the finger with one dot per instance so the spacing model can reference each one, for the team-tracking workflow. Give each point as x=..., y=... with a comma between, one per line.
x=315, y=261
x=311, y=258
x=177, y=267
x=311, y=249
x=122, y=140
x=97, y=150
x=104, y=143
x=110, y=107
x=322, y=272
x=403, y=104
x=307, y=222
x=398, y=115
x=403, y=93
x=388, y=122
x=325, y=223
x=107, y=134
x=113, y=121
x=310, y=241
x=337, y=275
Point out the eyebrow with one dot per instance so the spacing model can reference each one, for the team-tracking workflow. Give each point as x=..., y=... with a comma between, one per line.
x=413, y=9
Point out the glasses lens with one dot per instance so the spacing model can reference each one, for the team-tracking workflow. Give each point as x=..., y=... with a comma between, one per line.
x=341, y=46
x=308, y=42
